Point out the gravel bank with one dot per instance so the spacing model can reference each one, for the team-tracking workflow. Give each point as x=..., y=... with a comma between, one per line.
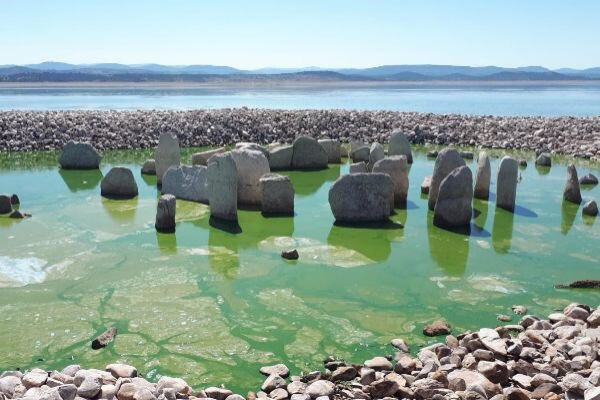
x=550, y=359
x=27, y=131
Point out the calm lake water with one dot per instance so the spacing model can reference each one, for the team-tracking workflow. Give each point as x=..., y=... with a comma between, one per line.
x=212, y=307
x=473, y=99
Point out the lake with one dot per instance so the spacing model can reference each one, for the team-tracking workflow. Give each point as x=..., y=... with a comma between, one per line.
x=482, y=99
x=211, y=306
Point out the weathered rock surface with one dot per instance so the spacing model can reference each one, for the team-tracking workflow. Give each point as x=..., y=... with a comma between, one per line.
x=103, y=339
x=590, y=208
x=166, y=155
x=437, y=328
x=589, y=179
x=76, y=155
x=506, y=185
x=360, y=153
x=277, y=194
x=201, y=158
x=572, y=192
x=119, y=184
x=376, y=153
x=397, y=168
x=426, y=185
x=251, y=165
x=453, y=206
x=482, y=177
x=165, y=214
x=333, y=148
x=222, y=182
x=544, y=160
x=308, y=154
x=149, y=167
x=447, y=160
x=5, y=204
x=358, y=167
x=400, y=146
x=281, y=157
x=186, y=183
x=361, y=197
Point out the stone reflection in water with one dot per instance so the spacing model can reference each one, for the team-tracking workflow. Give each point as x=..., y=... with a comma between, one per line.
x=541, y=170
x=502, y=230
x=120, y=211
x=449, y=250
x=149, y=180
x=77, y=180
x=167, y=243
x=309, y=182
x=223, y=256
x=371, y=243
x=480, y=211
x=568, y=212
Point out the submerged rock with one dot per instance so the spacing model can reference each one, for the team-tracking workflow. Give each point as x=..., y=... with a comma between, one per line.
x=544, y=160
x=361, y=197
x=277, y=194
x=590, y=208
x=506, y=185
x=400, y=146
x=589, y=179
x=447, y=160
x=376, y=153
x=482, y=177
x=308, y=154
x=453, y=206
x=165, y=214
x=571, y=192
x=105, y=338
x=166, y=155
x=149, y=167
x=118, y=184
x=186, y=183
x=222, y=181
x=5, y=205
x=437, y=328
x=76, y=155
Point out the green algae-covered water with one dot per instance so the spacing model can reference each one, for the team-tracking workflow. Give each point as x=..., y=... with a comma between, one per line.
x=212, y=306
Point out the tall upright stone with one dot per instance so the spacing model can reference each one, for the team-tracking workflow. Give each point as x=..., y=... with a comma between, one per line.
x=572, y=192
x=397, y=168
x=166, y=155
x=376, y=153
x=186, y=183
x=277, y=195
x=447, y=160
x=453, y=207
x=399, y=145
x=482, y=177
x=308, y=154
x=250, y=165
x=333, y=148
x=222, y=181
x=165, y=214
x=506, y=184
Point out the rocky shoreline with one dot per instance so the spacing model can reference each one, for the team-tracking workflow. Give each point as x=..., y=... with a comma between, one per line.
x=51, y=130
x=553, y=358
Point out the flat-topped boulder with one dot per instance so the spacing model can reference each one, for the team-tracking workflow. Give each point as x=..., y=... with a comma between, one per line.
x=333, y=148
x=201, y=158
x=277, y=195
x=186, y=183
x=397, y=168
x=280, y=157
x=308, y=154
x=165, y=214
x=571, y=191
x=447, y=160
x=506, y=184
x=76, y=155
x=483, y=177
x=400, y=146
x=166, y=155
x=361, y=197
x=119, y=184
x=358, y=167
x=222, y=182
x=250, y=165
x=376, y=153
x=453, y=206
x=149, y=167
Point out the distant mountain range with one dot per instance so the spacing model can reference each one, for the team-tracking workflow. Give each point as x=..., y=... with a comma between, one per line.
x=113, y=72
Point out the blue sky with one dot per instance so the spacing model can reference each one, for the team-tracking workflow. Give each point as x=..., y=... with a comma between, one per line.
x=292, y=33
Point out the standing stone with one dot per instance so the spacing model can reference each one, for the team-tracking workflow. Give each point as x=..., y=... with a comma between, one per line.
x=250, y=165
x=399, y=145
x=149, y=167
x=544, y=160
x=482, y=177
x=281, y=158
x=166, y=155
x=397, y=168
x=359, y=153
x=253, y=146
x=590, y=208
x=571, y=192
x=5, y=206
x=14, y=199
x=202, y=157
x=506, y=185
x=308, y=154
x=358, y=167
x=589, y=179
x=186, y=183
x=119, y=184
x=453, y=206
x=446, y=161
x=425, y=185
x=333, y=148
x=77, y=155
x=222, y=186
x=277, y=194
x=361, y=197
x=376, y=153
x=165, y=214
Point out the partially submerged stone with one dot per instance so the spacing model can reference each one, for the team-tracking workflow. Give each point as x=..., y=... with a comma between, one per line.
x=277, y=194
x=397, y=168
x=506, y=185
x=453, y=207
x=14, y=199
x=251, y=165
x=222, y=180
x=165, y=214
x=400, y=146
x=361, y=197
x=590, y=208
x=308, y=154
x=119, y=184
x=166, y=155
x=447, y=160
x=589, y=179
x=186, y=183
x=544, y=160
x=482, y=177
x=426, y=185
x=281, y=158
x=571, y=191
x=437, y=328
x=358, y=167
x=105, y=338
x=76, y=155
x=149, y=167
x=376, y=153
x=333, y=149
x=359, y=153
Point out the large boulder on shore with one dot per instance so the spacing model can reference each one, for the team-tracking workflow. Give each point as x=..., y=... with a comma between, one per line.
x=361, y=197
x=400, y=146
x=222, y=182
x=186, y=183
x=572, y=192
x=166, y=155
x=483, y=177
x=453, y=206
x=251, y=165
x=277, y=194
x=397, y=168
x=77, y=155
x=280, y=157
x=308, y=154
x=201, y=158
x=506, y=184
x=165, y=214
x=447, y=160
x=119, y=184
x=333, y=148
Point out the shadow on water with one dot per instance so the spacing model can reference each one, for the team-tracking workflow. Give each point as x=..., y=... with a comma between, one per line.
x=78, y=180
x=308, y=182
x=371, y=242
x=480, y=213
x=449, y=250
x=525, y=212
x=410, y=205
x=232, y=227
x=149, y=180
x=167, y=242
x=502, y=230
x=223, y=256
x=120, y=210
x=568, y=212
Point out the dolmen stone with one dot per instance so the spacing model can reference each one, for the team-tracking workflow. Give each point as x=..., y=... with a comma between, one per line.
x=14, y=199
x=308, y=154
x=76, y=155
x=119, y=184
x=222, y=181
x=376, y=153
x=251, y=165
x=544, y=160
x=397, y=168
x=358, y=167
x=333, y=148
x=277, y=195
x=201, y=158
x=253, y=146
x=447, y=160
x=453, y=206
x=506, y=184
x=425, y=185
x=149, y=167
x=400, y=146
x=5, y=205
x=361, y=197
x=483, y=177
x=572, y=192
x=280, y=158
x=186, y=183
x=359, y=152
x=590, y=208
x=589, y=179
x=166, y=155
x=165, y=214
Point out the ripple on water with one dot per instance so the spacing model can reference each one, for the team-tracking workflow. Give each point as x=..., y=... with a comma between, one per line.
x=21, y=271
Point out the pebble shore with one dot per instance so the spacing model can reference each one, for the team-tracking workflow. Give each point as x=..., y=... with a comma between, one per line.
x=51, y=130
x=550, y=359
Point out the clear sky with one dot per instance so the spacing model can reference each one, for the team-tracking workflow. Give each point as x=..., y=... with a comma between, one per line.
x=298, y=33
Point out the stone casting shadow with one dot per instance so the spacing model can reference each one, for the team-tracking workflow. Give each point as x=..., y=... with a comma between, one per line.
x=449, y=250
x=167, y=243
x=525, y=212
x=79, y=180
x=225, y=225
x=568, y=212
x=502, y=230
x=480, y=213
